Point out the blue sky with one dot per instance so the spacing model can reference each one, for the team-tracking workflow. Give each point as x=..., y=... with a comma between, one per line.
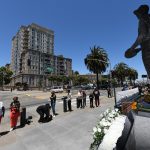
x=78, y=25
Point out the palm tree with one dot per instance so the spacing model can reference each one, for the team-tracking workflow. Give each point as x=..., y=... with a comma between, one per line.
x=132, y=74
x=76, y=73
x=97, y=61
x=121, y=71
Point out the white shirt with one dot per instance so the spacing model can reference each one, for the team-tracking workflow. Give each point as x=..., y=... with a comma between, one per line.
x=1, y=105
x=69, y=96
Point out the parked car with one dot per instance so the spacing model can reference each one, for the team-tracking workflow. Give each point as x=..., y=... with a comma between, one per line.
x=104, y=87
x=86, y=87
x=77, y=87
x=57, y=89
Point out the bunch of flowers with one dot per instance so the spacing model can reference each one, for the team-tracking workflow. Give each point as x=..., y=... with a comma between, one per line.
x=102, y=126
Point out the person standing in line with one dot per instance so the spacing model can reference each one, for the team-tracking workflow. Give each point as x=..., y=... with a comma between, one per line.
x=96, y=95
x=91, y=97
x=80, y=97
x=69, y=100
x=84, y=99
x=109, y=92
x=14, y=113
x=53, y=102
x=2, y=111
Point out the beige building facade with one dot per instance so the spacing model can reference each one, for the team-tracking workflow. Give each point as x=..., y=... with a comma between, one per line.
x=33, y=59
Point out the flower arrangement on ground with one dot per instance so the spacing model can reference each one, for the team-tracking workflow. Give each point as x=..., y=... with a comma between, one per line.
x=102, y=127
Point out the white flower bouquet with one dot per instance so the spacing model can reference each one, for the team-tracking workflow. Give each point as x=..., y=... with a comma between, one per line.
x=102, y=127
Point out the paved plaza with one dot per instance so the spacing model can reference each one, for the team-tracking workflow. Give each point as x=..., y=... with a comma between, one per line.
x=70, y=130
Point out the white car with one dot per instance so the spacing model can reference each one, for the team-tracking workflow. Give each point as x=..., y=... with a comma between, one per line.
x=57, y=89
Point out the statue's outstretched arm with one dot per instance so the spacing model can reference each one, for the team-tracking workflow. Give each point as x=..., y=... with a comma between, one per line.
x=132, y=51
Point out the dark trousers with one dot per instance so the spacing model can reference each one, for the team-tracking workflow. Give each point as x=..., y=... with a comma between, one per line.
x=80, y=103
x=69, y=105
x=91, y=102
x=109, y=94
x=77, y=102
x=45, y=113
x=97, y=102
x=84, y=102
x=41, y=113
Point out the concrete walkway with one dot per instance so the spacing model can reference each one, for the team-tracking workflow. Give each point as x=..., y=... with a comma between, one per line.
x=71, y=130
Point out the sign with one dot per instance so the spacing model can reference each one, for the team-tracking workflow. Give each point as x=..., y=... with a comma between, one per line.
x=144, y=76
x=49, y=70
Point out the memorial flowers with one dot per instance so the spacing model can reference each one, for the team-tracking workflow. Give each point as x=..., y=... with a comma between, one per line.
x=102, y=126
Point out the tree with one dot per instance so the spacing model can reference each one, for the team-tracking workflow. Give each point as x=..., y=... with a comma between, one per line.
x=97, y=61
x=5, y=75
x=59, y=79
x=120, y=72
x=132, y=75
x=79, y=80
x=52, y=79
x=76, y=73
x=18, y=85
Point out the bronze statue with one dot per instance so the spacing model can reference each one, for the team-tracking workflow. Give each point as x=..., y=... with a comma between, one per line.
x=143, y=39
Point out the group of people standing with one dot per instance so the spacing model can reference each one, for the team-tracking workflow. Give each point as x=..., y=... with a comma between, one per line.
x=44, y=110
x=81, y=99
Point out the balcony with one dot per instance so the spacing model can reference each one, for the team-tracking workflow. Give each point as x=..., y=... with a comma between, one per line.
x=26, y=33
x=25, y=39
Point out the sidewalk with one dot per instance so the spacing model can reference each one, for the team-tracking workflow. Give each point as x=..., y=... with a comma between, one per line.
x=71, y=130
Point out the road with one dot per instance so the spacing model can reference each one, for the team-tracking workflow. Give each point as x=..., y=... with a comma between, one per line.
x=28, y=98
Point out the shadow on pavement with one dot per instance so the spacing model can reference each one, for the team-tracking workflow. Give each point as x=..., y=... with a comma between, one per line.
x=46, y=120
x=4, y=133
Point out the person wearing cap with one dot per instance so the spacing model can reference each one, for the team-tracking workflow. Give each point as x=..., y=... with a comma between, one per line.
x=14, y=113
x=2, y=111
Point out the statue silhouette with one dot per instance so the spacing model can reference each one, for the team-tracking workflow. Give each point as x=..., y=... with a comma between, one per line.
x=143, y=39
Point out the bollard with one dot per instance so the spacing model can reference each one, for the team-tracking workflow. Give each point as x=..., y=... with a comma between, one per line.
x=64, y=103
x=77, y=102
x=23, y=117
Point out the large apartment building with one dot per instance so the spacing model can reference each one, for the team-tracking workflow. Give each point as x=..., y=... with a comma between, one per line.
x=32, y=56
